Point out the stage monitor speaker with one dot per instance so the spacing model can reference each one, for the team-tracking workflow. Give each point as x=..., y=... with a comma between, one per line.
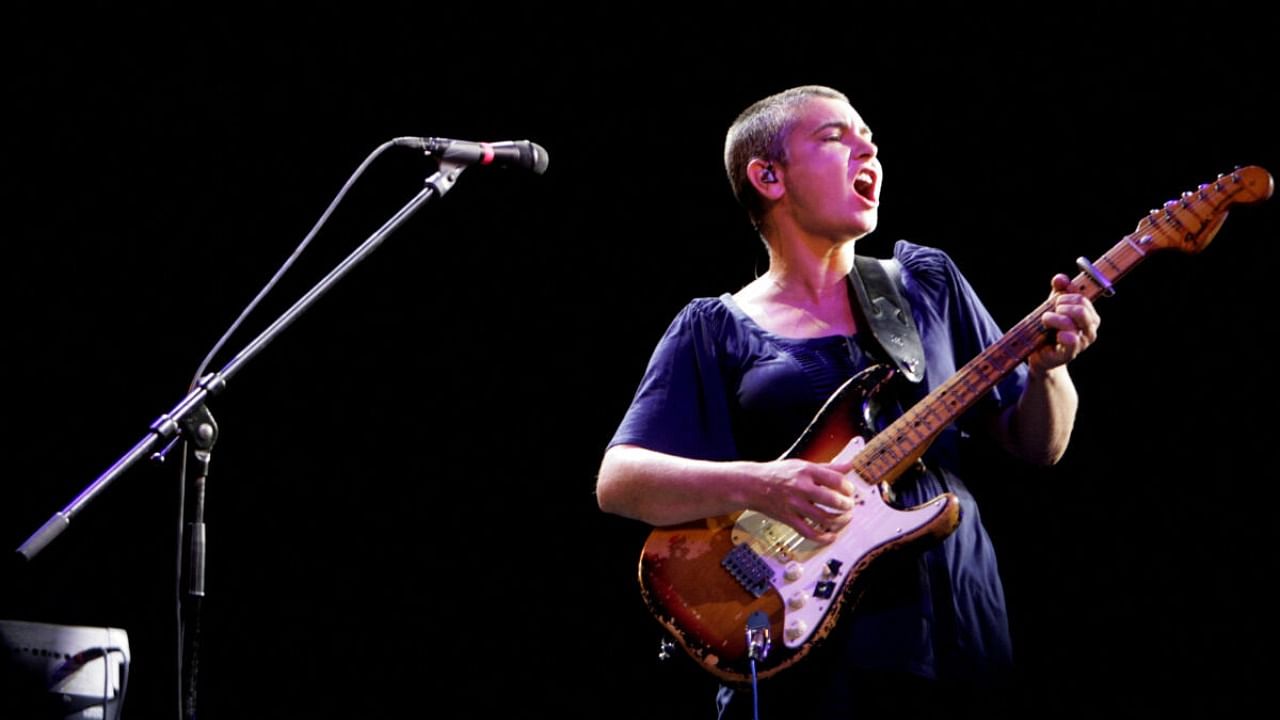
x=66, y=672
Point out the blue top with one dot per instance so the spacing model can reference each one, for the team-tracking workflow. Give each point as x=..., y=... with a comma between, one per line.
x=720, y=387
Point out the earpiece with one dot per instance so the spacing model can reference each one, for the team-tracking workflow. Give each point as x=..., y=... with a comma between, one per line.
x=767, y=175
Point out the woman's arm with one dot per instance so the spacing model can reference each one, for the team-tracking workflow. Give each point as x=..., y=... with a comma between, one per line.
x=663, y=489
x=1038, y=427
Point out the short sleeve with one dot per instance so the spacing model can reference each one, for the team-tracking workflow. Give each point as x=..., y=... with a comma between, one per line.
x=681, y=407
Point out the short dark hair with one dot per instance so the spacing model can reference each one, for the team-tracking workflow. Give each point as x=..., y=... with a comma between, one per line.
x=760, y=132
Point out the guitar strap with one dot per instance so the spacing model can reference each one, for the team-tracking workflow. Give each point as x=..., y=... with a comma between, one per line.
x=883, y=309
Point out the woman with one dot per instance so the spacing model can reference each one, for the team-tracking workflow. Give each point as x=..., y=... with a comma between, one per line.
x=737, y=378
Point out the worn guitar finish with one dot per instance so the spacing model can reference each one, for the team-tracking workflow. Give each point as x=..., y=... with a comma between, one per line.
x=703, y=580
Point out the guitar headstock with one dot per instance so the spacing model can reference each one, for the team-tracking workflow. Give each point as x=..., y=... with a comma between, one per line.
x=1191, y=221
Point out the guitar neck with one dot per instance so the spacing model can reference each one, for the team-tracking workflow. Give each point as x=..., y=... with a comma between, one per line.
x=897, y=447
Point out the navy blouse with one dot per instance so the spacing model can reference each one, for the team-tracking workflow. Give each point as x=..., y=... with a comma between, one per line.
x=720, y=387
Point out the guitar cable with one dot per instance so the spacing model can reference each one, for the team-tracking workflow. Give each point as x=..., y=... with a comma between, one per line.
x=759, y=643
x=755, y=696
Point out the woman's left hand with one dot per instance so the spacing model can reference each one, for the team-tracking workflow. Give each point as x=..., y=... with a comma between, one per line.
x=1075, y=321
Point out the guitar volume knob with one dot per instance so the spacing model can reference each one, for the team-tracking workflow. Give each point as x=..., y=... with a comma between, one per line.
x=797, y=601
x=793, y=571
x=797, y=630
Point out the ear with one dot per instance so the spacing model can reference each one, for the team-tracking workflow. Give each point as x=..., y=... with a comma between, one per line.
x=766, y=178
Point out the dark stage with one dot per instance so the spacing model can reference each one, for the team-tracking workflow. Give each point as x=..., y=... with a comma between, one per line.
x=400, y=511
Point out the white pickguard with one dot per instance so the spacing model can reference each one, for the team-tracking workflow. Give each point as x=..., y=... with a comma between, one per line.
x=801, y=565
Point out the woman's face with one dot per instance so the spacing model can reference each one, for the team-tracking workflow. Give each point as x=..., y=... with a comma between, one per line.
x=831, y=174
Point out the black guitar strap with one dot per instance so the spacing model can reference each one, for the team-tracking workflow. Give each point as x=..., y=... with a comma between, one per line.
x=883, y=309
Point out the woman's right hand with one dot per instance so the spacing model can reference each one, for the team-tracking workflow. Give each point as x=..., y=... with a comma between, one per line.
x=816, y=499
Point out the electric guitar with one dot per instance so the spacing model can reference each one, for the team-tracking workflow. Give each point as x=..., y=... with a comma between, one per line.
x=728, y=588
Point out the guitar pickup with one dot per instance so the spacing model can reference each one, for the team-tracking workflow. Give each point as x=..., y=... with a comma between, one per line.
x=753, y=573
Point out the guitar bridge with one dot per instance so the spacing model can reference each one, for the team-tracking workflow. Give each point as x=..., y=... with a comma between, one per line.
x=752, y=572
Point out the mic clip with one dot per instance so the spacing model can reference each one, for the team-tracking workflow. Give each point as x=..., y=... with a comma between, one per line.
x=445, y=176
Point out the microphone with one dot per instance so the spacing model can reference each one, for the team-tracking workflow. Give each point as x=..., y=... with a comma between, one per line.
x=519, y=153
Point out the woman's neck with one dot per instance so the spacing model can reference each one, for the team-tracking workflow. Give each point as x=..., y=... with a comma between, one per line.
x=809, y=272
x=803, y=294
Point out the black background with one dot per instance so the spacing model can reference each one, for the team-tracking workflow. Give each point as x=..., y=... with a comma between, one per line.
x=401, y=511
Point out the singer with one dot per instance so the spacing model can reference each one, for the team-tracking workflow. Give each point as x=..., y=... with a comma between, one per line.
x=736, y=379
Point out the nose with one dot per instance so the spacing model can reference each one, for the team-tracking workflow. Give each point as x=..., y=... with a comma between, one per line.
x=864, y=148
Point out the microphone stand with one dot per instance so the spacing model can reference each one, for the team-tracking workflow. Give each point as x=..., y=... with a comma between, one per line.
x=191, y=420
x=201, y=432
